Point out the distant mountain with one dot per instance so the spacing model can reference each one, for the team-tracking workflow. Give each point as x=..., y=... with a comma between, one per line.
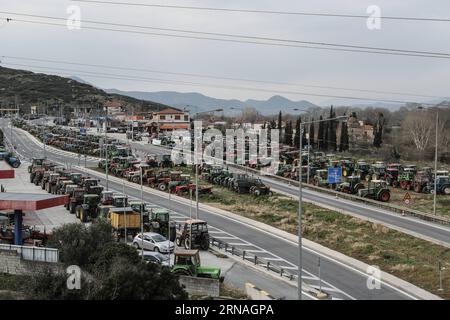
x=78, y=79
x=185, y=100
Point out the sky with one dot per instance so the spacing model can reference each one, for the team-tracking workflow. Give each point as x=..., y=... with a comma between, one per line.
x=225, y=59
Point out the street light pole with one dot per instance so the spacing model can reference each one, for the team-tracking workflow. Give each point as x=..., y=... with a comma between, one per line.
x=300, y=207
x=435, y=162
x=300, y=193
x=106, y=149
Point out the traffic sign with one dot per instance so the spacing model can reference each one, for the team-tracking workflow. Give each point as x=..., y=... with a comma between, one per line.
x=335, y=175
x=83, y=131
x=407, y=198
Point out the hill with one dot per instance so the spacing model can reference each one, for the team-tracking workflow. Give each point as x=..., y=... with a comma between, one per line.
x=181, y=100
x=25, y=88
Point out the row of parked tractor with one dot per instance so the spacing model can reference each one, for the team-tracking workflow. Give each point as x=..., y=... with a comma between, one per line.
x=73, y=140
x=238, y=182
x=89, y=201
x=357, y=173
x=155, y=171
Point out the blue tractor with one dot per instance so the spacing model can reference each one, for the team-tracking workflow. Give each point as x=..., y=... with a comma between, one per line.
x=12, y=160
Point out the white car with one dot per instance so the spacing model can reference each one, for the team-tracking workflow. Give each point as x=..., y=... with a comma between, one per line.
x=155, y=257
x=154, y=242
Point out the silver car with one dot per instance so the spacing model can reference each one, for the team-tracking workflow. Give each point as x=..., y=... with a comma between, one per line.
x=155, y=257
x=154, y=242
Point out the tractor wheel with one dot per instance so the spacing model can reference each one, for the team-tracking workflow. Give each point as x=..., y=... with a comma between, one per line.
x=384, y=196
x=367, y=177
x=345, y=190
x=72, y=208
x=395, y=183
x=417, y=187
x=403, y=184
x=77, y=212
x=257, y=192
x=162, y=187
x=446, y=190
x=204, y=244
x=83, y=215
x=182, y=272
x=178, y=242
x=409, y=186
x=187, y=243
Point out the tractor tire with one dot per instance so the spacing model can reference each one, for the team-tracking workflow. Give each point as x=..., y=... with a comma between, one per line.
x=384, y=196
x=367, y=177
x=178, y=242
x=204, y=244
x=187, y=243
x=395, y=183
x=72, y=208
x=446, y=190
x=182, y=272
x=257, y=192
x=403, y=184
x=162, y=187
x=77, y=212
x=83, y=215
x=417, y=188
x=345, y=190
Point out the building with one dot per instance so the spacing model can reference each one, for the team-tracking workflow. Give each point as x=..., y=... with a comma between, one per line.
x=359, y=132
x=168, y=120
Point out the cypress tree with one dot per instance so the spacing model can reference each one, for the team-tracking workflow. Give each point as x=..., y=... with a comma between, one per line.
x=311, y=133
x=297, y=132
x=344, y=144
x=320, y=135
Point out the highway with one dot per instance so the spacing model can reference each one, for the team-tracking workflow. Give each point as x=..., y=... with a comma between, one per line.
x=341, y=281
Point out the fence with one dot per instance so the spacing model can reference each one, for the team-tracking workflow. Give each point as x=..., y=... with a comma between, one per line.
x=33, y=253
x=382, y=205
x=253, y=258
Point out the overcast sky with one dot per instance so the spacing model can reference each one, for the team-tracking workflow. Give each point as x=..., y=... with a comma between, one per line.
x=298, y=65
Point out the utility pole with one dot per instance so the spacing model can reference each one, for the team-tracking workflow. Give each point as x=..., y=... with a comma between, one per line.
x=142, y=214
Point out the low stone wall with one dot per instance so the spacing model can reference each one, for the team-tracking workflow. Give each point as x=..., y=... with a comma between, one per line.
x=200, y=286
x=12, y=263
x=256, y=293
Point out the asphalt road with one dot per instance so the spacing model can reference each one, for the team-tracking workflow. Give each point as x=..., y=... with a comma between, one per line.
x=342, y=281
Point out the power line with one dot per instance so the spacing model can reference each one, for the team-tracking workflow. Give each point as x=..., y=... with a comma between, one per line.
x=158, y=80
x=242, y=38
x=298, y=13
x=212, y=77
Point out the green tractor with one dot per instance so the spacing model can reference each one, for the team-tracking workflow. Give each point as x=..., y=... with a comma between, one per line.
x=377, y=170
x=321, y=178
x=406, y=179
x=351, y=186
x=193, y=235
x=187, y=263
x=377, y=190
x=89, y=209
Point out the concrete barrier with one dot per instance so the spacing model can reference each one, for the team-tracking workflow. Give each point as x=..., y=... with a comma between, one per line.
x=256, y=293
x=12, y=263
x=200, y=286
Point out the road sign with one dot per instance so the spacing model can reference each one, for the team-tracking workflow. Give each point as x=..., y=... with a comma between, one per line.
x=335, y=175
x=83, y=131
x=407, y=198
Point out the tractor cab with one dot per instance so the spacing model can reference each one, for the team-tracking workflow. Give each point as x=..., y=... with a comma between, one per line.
x=76, y=177
x=377, y=190
x=89, y=209
x=120, y=200
x=187, y=263
x=106, y=197
x=194, y=235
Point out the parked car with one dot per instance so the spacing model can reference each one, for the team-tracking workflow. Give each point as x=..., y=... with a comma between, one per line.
x=155, y=257
x=153, y=241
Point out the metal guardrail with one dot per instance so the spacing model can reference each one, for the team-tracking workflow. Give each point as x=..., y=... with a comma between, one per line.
x=33, y=253
x=382, y=205
x=253, y=258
